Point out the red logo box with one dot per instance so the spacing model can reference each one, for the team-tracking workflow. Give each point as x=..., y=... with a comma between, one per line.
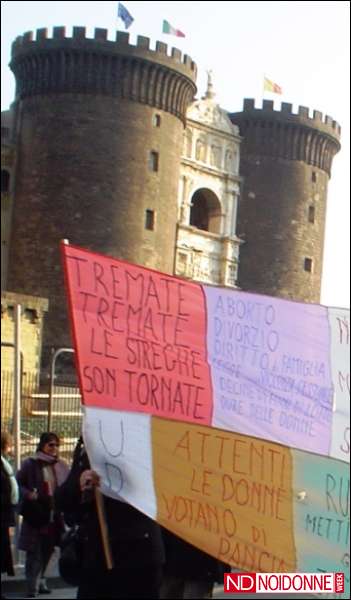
x=245, y=583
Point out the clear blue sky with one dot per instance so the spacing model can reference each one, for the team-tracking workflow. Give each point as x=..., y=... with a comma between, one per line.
x=302, y=46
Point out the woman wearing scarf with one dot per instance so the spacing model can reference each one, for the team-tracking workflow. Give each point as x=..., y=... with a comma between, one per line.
x=42, y=525
x=9, y=499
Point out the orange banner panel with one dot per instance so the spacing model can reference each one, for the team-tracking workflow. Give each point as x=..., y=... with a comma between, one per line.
x=227, y=494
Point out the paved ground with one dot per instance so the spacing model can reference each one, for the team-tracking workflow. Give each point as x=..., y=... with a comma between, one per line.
x=70, y=594
x=14, y=588
x=67, y=593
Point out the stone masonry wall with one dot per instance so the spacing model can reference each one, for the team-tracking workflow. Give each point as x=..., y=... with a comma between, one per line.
x=32, y=319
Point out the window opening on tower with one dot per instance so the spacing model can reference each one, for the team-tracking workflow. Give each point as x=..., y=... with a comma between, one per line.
x=153, y=161
x=149, y=219
x=5, y=180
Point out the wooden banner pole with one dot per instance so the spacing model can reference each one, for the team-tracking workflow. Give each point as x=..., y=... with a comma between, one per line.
x=103, y=528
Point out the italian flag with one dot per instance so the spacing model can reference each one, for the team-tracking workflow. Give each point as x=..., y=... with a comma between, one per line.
x=167, y=28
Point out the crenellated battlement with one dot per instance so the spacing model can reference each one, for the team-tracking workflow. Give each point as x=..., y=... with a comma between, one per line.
x=41, y=40
x=328, y=124
x=288, y=135
x=82, y=65
x=286, y=158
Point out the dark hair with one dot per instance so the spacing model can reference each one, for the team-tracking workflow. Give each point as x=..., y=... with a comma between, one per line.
x=47, y=437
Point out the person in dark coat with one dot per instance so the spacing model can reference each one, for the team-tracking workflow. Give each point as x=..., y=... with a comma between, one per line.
x=188, y=572
x=135, y=540
x=42, y=524
x=9, y=499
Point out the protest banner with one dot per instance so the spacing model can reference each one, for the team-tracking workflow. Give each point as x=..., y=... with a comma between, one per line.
x=253, y=504
x=220, y=414
x=266, y=367
x=322, y=515
x=339, y=320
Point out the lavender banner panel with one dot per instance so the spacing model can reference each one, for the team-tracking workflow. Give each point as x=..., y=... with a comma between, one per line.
x=270, y=363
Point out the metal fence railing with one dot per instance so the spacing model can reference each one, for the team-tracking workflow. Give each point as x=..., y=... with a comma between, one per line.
x=66, y=415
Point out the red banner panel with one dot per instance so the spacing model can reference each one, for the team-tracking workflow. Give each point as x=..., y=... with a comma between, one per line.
x=140, y=338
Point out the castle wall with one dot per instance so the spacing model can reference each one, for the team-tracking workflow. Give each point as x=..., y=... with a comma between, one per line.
x=33, y=311
x=8, y=160
x=278, y=236
x=285, y=163
x=92, y=116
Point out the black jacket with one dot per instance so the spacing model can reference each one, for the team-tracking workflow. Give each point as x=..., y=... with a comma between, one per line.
x=188, y=562
x=134, y=538
x=7, y=509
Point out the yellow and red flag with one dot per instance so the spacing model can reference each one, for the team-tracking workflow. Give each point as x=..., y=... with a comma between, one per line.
x=270, y=86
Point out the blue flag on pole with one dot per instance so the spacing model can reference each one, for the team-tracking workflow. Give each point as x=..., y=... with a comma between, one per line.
x=125, y=15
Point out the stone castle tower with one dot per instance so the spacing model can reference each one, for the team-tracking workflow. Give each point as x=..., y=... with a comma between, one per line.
x=99, y=133
x=285, y=162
